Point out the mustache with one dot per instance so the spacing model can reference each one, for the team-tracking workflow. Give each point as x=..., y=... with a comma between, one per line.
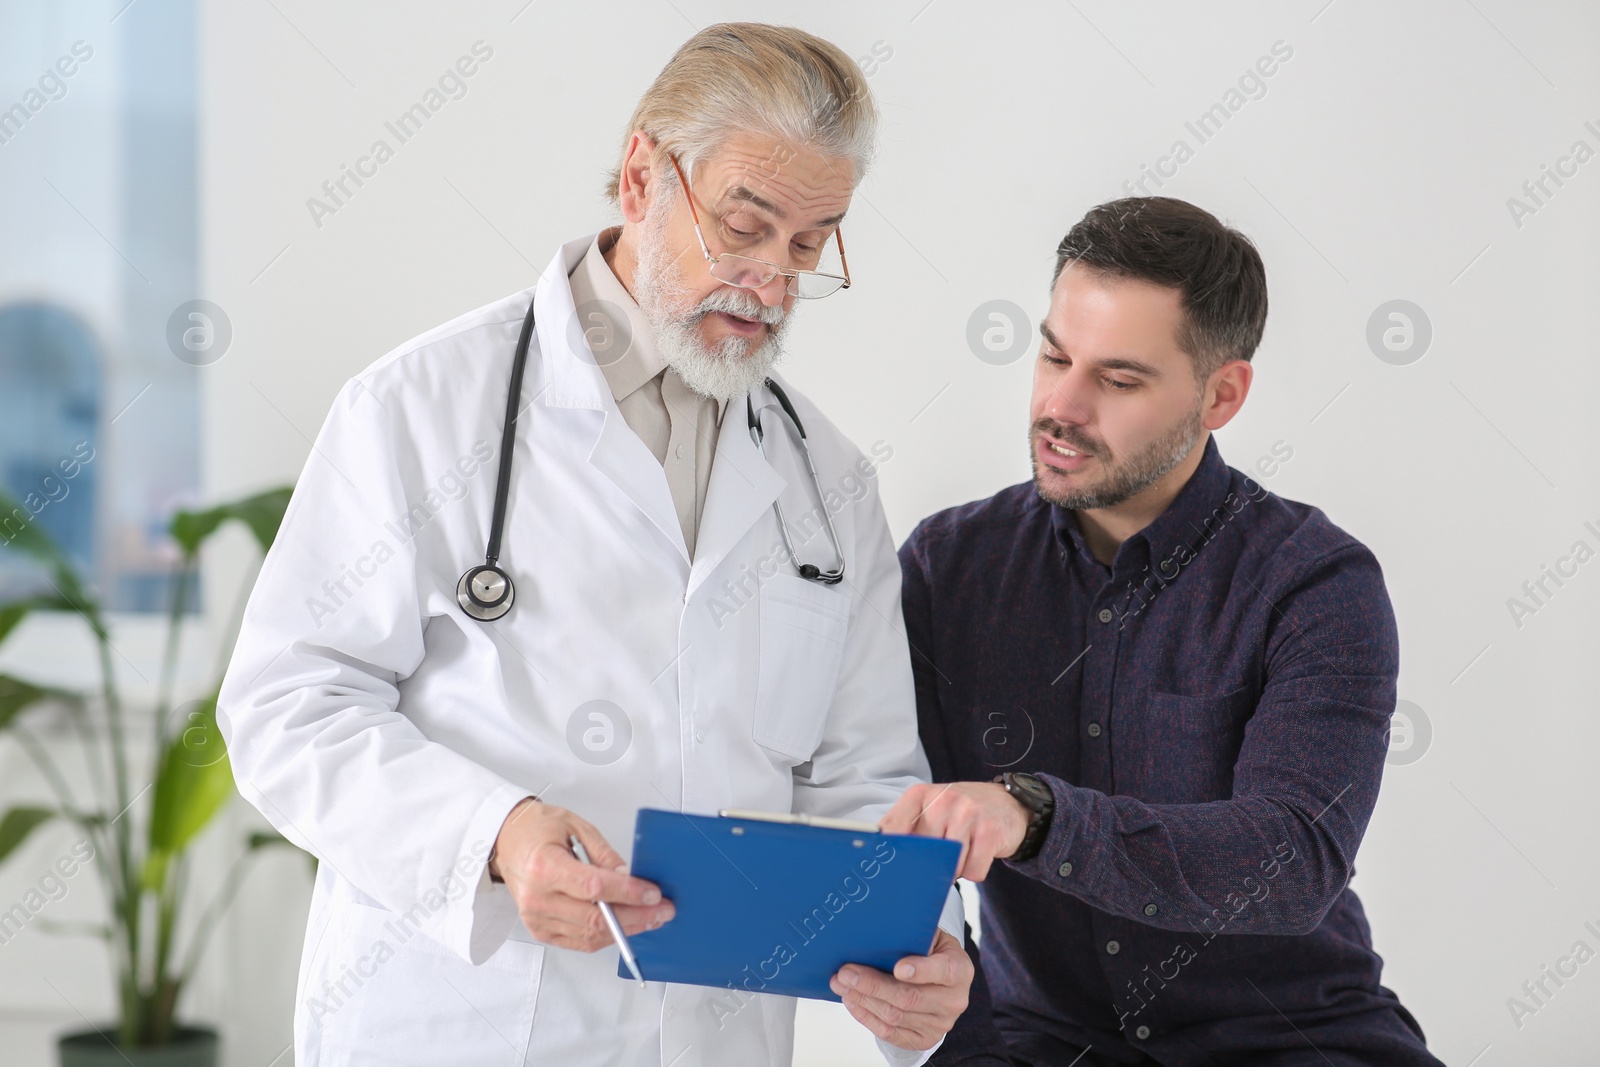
x=1067, y=436
x=740, y=302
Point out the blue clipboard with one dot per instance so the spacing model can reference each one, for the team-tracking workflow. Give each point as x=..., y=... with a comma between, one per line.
x=773, y=907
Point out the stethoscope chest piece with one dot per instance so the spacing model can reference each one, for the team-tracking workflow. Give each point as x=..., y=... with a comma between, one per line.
x=485, y=592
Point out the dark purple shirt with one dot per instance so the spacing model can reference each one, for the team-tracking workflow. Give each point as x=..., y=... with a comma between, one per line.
x=1211, y=714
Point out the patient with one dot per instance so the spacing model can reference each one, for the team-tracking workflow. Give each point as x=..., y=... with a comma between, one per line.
x=1161, y=691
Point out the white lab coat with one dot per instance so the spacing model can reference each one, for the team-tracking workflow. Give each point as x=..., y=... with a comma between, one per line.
x=383, y=730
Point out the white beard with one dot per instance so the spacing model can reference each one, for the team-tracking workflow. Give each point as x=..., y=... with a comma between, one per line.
x=724, y=371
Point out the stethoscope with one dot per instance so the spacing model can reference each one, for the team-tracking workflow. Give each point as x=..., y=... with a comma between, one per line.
x=486, y=591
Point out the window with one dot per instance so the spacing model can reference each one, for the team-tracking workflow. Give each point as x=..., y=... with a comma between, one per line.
x=98, y=176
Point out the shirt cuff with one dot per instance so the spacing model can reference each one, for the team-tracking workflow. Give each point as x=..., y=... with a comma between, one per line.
x=895, y=1056
x=953, y=920
x=1055, y=864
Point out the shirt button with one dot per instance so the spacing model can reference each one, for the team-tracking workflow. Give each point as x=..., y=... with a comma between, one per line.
x=1150, y=909
x=1112, y=948
x=1094, y=729
x=1105, y=615
x=1142, y=1033
x=699, y=735
x=678, y=452
x=1065, y=869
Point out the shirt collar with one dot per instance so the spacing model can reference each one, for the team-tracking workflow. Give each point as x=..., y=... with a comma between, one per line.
x=1182, y=523
x=592, y=280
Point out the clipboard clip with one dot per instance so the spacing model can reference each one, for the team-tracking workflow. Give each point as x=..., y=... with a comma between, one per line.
x=800, y=818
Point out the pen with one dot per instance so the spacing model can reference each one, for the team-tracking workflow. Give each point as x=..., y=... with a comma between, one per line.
x=611, y=918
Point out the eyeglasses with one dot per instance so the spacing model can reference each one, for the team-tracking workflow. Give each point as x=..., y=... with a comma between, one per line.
x=747, y=272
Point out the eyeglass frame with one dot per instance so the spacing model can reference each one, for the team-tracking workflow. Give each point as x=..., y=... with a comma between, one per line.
x=792, y=288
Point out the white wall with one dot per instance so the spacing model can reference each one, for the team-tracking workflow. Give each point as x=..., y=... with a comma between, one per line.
x=1377, y=166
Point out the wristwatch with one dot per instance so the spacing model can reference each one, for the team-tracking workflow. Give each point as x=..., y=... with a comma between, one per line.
x=1041, y=804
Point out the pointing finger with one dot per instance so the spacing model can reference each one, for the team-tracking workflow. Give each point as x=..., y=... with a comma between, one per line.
x=902, y=818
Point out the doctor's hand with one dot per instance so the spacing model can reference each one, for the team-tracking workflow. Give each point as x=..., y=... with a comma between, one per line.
x=556, y=893
x=918, y=1004
x=989, y=822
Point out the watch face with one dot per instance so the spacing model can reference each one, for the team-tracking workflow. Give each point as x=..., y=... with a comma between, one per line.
x=1034, y=792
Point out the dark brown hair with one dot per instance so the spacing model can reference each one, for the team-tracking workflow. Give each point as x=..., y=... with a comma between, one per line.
x=1174, y=244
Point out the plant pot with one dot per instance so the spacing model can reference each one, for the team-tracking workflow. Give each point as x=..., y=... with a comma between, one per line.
x=191, y=1046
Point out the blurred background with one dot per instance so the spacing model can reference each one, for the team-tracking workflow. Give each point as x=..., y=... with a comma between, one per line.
x=177, y=313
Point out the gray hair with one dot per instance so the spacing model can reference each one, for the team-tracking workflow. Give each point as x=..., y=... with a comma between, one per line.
x=748, y=77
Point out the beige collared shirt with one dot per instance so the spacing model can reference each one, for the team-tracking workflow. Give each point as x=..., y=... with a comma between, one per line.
x=677, y=424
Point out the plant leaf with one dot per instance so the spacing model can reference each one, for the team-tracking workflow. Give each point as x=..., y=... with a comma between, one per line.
x=194, y=782
x=263, y=513
x=18, y=530
x=154, y=871
x=18, y=824
x=266, y=839
x=14, y=612
x=15, y=694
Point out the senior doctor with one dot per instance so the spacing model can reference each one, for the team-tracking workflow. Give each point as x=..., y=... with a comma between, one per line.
x=640, y=635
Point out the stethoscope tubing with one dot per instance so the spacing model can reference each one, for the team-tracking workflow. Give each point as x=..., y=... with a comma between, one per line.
x=486, y=592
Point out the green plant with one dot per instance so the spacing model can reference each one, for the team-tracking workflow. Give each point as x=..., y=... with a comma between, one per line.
x=140, y=849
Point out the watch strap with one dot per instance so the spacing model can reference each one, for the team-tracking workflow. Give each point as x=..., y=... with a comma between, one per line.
x=1041, y=809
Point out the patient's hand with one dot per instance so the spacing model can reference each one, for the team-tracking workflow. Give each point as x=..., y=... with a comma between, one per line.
x=989, y=822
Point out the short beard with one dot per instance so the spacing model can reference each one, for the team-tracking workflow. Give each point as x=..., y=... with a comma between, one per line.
x=1125, y=478
x=731, y=367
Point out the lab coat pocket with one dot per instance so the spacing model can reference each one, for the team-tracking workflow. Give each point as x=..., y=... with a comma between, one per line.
x=803, y=627
x=386, y=994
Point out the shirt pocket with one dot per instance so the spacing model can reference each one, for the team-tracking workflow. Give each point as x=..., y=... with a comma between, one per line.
x=1189, y=747
x=803, y=628
x=386, y=994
